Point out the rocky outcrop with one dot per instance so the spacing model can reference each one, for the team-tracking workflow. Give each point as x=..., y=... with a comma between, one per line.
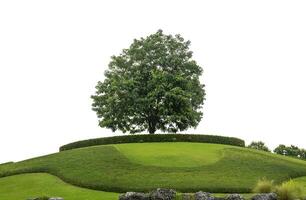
x=158, y=194
x=163, y=194
x=265, y=196
x=134, y=196
x=234, y=197
x=169, y=194
x=203, y=196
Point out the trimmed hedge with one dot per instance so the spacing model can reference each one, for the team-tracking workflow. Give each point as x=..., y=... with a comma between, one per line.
x=155, y=138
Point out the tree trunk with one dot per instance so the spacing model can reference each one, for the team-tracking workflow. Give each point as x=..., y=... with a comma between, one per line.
x=152, y=126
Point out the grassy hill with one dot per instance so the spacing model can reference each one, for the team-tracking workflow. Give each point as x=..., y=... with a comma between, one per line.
x=20, y=187
x=24, y=186
x=187, y=167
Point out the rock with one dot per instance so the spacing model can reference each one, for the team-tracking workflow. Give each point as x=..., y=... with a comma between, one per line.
x=187, y=196
x=163, y=194
x=234, y=197
x=134, y=196
x=265, y=196
x=203, y=196
x=56, y=198
x=43, y=198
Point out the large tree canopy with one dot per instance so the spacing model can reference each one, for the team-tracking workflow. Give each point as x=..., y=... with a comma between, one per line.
x=152, y=85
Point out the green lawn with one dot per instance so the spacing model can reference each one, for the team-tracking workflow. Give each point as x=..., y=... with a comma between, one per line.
x=172, y=155
x=142, y=167
x=21, y=187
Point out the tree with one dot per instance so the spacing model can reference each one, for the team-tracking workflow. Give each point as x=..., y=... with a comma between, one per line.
x=259, y=146
x=152, y=85
x=291, y=150
x=281, y=149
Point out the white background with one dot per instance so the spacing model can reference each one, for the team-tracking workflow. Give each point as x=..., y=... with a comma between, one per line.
x=52, y=53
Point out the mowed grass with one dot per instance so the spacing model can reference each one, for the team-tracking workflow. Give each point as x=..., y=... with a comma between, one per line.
x=24, y=186
x=172, y=154
x=116, y=168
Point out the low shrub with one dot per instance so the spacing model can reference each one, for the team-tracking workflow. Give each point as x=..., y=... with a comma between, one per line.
x=155, y=138
x=289, y=191
x=259, y=145
x=263, y=186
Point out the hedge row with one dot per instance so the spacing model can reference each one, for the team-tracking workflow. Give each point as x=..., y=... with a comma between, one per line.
x=155, y=138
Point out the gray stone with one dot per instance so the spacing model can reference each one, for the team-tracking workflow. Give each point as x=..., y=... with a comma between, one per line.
x=43, y=198
x=265, y=196
x=56, y=198
x=163, y=194
x=134, y=196
x=203, y=196
x=234, y=197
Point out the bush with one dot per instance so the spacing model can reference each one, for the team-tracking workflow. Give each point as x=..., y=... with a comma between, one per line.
x=155, y=138
x=259, y=146
x=263, y=186
x=292, y=151
x=289, y=191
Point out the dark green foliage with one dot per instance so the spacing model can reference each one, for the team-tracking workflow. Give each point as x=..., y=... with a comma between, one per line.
x=292, y=151
x=281, y=149
x=259, y=146
x=152, y=85
x=105, y=168
x=155, y=138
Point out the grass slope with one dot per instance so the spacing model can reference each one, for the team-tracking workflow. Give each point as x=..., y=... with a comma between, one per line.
x=24, y=186
x=172, y=165
x=21, y=187
x=172, y=155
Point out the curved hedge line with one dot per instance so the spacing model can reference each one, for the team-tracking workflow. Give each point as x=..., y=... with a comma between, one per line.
x=155, y=138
